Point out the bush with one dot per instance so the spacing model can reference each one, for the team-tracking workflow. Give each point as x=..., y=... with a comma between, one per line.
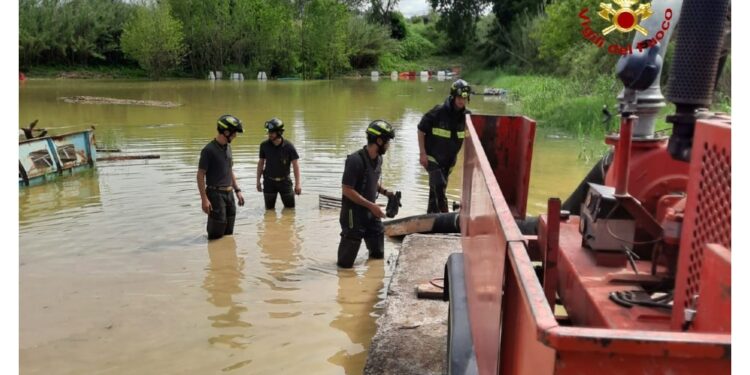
x=398, y=25
x=366, y=42
x=415, y=47
x=154, y=39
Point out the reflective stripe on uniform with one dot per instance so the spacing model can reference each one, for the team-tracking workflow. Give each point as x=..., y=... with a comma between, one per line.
x=351, y=219
x=444, y=133
x=373, y=131
x=461, y=135
x=432, y=159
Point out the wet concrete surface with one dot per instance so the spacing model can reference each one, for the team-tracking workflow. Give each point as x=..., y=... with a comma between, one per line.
x=411, y=335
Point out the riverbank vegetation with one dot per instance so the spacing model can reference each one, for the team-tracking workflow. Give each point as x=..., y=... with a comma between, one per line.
x=533, y=48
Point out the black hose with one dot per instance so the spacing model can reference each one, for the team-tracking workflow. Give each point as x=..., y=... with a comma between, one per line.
x=596, y=176
x=446, y=223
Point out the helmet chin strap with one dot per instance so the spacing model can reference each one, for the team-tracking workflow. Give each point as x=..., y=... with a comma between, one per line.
x=381, y=149
x=228, y=138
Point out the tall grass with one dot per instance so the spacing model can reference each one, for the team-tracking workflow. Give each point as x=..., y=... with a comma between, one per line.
x=560, y=103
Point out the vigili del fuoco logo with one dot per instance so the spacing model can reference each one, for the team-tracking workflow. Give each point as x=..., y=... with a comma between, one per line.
x=624, y=19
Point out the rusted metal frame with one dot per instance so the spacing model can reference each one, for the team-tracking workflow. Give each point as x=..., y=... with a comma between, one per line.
x=521, y=351
x=487, y=225
x=714, y=133
x=508, y=145
x=584, y=286
x=642, y=343
x=499, y=205
x=55, y=157
x=533, y=293
x=649, y=343
x=642, y=217
x=714, y=310
x=552, y=250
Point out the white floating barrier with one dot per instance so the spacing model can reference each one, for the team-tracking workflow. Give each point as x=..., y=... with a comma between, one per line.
x=394, y=76
x=218, y=74
x=211, y=75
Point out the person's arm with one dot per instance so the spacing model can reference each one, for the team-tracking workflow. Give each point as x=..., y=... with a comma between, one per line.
x=422, y=153
x=258, y=173
x=297, y=181
x=355, y=197
x=205, y=203
x=237, y=190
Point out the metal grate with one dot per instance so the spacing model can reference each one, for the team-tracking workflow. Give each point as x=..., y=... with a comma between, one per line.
x=712, y=214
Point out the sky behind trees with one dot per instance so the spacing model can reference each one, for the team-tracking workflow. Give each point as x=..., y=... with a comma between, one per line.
x=413, y=7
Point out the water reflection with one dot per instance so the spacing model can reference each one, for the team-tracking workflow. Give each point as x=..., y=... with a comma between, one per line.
x=223, y=280
x=358, y=293
x=280, y=244
x=69, y=192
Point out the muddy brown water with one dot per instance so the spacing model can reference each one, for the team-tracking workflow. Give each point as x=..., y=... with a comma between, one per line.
x=116, y=274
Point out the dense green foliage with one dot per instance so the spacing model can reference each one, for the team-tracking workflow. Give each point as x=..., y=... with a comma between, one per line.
x=366, y=42
x=458, y=19
x=154, y=39
x=323, y=56
x=71, y=32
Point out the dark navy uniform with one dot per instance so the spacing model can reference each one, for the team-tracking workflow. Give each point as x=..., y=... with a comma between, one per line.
x=276, y=180
x=357, y=222
x=216, y=160
x=445, y=128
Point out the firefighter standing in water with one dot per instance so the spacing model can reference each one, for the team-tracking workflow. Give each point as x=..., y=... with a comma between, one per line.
x=360, y=185
x=441, y=135
x=275, y=156
x=216, y=179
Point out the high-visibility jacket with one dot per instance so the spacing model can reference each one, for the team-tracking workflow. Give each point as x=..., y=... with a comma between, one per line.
x=445, y=129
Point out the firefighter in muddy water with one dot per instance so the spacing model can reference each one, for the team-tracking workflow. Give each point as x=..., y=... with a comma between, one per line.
x=360, y=216
x=276, y=155
x=441, y=134
x=216, y=179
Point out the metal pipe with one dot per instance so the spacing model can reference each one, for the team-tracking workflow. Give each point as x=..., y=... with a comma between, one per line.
x=650, y=101
x=694, y=67
x=622, y=158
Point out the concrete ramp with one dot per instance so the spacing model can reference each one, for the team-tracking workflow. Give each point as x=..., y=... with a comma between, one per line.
x=412, y=333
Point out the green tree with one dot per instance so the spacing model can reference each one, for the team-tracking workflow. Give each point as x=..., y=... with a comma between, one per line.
x=324, y=26
x=71, y=32
x=260, y=29
x=208, y=33
x=366, y=42
x=458, y=18
x=380, y=10
x=561, y=44
x=155, y=39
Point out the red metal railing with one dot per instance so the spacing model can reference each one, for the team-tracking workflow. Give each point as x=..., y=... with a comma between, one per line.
x=487, y=223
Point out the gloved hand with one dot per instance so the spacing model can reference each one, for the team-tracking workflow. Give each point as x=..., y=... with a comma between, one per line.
x=394, y=202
